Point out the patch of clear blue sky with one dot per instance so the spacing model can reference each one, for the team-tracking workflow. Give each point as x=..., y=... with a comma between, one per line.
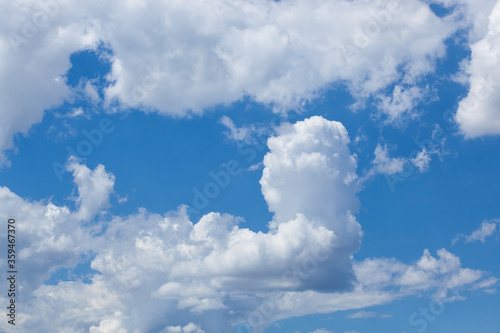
x=440, y=10
x=158, y=161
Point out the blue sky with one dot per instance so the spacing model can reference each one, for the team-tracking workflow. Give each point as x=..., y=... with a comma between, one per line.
x=252, y=166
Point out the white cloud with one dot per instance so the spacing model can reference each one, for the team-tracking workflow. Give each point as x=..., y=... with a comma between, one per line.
x=478, y=113
x=486, y=229
x=184, y=268
x=75, y=113
x=385, y=164
x=381, y=281
x=322, y=330
x=94, y=188
x=422, y=160
x=162, y=272
x=183, y=57
x=236, y=133
x=470, y=14
x=189, y=328
x=55, y=236
x=91, y=91
x=362, y=314
x=401, y=103
x=440, y=274
x=256, y=166
x=486, y=284
x=31, y=79
x=248, y=134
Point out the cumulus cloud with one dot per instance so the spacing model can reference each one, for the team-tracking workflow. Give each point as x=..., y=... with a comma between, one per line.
x=278, y=53
x=478, y=113
x=314, y=149
x=166, y=273
x=34, y=52
x=183, y=57
x=182, y=268
x=55, y=236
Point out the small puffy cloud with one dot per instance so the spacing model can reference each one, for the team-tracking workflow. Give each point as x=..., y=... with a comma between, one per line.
x=94, y=188
x=385, y=164
x=257, y=166
x=400, y=104
x=77, y=112
x=487, y=229
x=422, y=160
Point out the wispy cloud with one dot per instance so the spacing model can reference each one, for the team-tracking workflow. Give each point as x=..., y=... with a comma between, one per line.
x=487, y=229
x=362, y=314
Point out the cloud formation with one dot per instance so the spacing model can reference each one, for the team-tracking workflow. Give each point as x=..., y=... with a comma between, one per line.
x=384, y=164
x=194, y=268
x=184, y=57
x=165, y=273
